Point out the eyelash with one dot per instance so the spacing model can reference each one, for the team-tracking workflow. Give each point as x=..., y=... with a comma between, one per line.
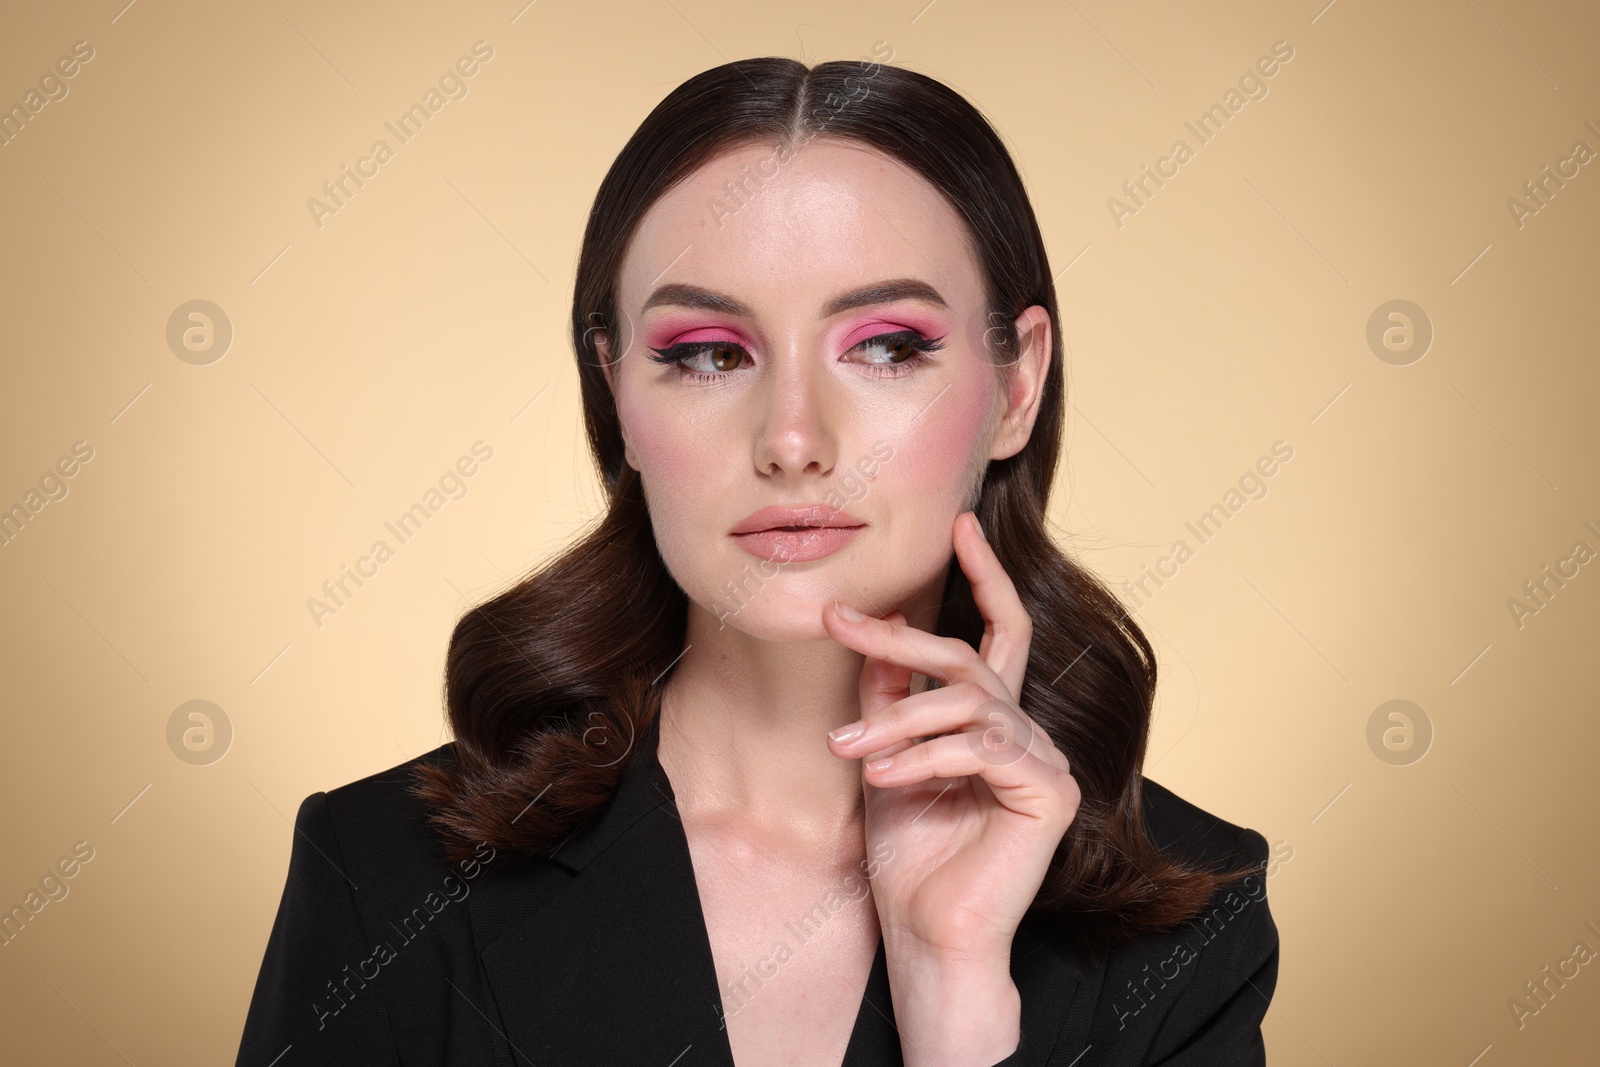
x=921, y=346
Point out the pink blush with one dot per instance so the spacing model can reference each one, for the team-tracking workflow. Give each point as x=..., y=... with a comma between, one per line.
x=931, y=453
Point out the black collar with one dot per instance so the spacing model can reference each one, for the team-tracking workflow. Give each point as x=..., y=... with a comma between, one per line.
x=601, y=955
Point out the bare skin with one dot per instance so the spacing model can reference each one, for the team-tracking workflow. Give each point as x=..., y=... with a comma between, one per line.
x=755, y=896
x=776, y=813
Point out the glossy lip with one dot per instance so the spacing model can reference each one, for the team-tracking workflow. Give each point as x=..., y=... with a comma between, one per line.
x=797, y=546
x=812, y=515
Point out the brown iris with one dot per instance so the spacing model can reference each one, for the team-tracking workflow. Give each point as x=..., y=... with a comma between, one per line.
x=728, y=353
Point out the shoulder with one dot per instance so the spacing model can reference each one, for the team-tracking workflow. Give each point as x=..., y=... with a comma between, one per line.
x=368, y=884
x=375, y=827
x=1202, y=988
x=383, y=801
x=1237, y=908
x=1191, y=833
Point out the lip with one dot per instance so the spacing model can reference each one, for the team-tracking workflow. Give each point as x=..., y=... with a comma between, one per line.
x=797, y=546
x=819, y=516
x=796, y=535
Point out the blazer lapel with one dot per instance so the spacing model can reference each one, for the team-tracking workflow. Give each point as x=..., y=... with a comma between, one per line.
x=1058, y=992
x=602, y=954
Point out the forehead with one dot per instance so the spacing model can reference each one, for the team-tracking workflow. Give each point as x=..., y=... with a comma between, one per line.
x=786, y=236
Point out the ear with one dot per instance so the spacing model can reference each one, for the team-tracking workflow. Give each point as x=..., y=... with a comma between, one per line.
x=1024, y=382
x=602, y=349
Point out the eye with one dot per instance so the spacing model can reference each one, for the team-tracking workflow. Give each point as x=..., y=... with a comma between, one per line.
x=906, y=349
x=721, y=357
x=712, y=361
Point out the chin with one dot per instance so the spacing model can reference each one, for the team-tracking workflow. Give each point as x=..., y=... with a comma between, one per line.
x=779, y=609
x=789, y=622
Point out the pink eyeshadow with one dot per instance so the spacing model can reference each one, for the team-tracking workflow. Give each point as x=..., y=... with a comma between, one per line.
x=673, y=334
x=665, y=334
x=875, y=327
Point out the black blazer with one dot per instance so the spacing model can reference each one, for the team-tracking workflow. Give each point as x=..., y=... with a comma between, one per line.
x=382, y=952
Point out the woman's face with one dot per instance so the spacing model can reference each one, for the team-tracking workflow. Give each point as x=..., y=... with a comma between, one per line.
x=781, y=388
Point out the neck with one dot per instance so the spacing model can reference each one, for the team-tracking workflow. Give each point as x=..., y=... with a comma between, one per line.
x=744, y=723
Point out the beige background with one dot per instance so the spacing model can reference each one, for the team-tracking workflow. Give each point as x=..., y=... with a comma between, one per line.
x=429, y=313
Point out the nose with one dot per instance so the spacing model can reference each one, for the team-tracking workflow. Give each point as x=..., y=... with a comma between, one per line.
x=797, y=423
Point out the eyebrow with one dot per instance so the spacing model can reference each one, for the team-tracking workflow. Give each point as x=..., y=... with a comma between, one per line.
x=693, y=296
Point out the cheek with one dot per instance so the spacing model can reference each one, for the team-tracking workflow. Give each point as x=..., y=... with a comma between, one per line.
x=681, y=476
x=681, y=472
x=925, y=482
x=666, y=447
x=937, y=454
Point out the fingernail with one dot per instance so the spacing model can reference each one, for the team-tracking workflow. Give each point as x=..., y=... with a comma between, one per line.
x=979, y=525
x=845, y=734
x=847, y=612
x=880, y=764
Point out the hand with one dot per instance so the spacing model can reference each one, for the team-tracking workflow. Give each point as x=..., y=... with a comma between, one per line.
x=976, y=798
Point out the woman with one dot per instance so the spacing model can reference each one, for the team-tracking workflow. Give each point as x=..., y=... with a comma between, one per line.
x=821, y=370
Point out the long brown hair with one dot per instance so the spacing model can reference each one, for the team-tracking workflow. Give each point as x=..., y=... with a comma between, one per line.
x=549, y=683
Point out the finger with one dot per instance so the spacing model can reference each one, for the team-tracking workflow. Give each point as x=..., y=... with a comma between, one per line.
x=883, y=682
x=897, y=747
x=948, y=659
x=883, y=697
x=1007, y=627
x=965, y=706
x=1028, y=786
